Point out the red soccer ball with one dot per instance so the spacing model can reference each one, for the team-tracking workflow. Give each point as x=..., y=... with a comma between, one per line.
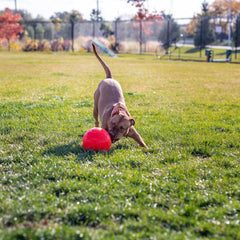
x=97, y=139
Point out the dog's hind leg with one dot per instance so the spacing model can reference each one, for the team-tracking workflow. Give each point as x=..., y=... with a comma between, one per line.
x=95, y=109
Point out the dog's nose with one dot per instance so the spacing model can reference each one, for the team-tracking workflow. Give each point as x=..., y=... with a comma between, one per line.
x=112, y=137
x=111, y=134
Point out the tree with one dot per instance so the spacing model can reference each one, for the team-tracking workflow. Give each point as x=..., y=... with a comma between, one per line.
x=136, y=3
x=204, y=34
x=144, y=23
x=143, y=13
x=29, y=31
x=96, y=16
x=49, y=32
x=104, y=27
x=39, y=31
x=61, y=22
x=221, y=8
x=74, y=16
x=169, y=33
x=106, y=30
x=191, y=29
x=236, y=32
x=26, y=16
x=63, y=16
x=9, y=26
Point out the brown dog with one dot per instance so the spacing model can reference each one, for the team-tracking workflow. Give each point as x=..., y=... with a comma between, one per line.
x=109, y=104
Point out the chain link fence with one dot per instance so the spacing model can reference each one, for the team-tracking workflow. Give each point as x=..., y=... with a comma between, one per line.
x=167, y=38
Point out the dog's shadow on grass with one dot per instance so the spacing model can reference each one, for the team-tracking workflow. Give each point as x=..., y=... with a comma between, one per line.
x=76, y=149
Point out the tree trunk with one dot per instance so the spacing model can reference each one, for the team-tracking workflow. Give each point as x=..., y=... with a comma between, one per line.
x=9, y=47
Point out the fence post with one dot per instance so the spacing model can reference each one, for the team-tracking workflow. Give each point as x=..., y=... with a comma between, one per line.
x=35, y=32
x=116, y=32
x=168, y=35
x=72, y=33
x=236, y=34
x=201, y=37
x=93, y=34
x=140, y=36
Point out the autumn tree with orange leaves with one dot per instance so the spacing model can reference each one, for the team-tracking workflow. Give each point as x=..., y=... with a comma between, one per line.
x=144, y=18
x=143, y=13
x=219, y=10
x=9, y=26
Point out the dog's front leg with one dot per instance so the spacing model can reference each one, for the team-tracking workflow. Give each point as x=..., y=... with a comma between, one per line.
x=95, y=109
x=136, y=136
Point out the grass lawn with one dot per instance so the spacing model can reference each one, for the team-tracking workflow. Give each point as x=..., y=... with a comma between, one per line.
x=186, y=186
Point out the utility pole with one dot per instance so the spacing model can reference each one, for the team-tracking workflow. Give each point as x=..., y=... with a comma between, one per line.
x=97, y=10
x=171, y=7
x=15, y=6
x=204, y=4
x=229, y=23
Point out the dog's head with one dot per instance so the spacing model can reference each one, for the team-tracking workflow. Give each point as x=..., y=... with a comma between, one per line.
x=120, y=122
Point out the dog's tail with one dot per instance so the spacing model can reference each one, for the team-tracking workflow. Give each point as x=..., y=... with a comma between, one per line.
x=106, y=68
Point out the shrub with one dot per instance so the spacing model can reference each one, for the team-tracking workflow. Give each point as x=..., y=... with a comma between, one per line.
x=56, y=46
x=66, y=45
x=30, y=46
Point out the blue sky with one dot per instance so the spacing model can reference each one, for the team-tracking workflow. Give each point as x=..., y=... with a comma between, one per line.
x=110, y=9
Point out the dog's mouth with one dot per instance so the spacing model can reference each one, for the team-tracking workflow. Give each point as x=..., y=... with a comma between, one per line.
x=113, y=137
x=115, y=140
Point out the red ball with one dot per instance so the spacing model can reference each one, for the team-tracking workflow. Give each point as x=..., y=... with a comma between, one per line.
x=97, y=139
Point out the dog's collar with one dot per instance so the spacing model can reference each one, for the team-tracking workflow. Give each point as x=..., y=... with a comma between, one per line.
x=115, y=110
x=118, y=107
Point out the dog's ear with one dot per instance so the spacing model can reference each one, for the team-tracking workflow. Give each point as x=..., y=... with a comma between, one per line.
x=115, y=110
x=132, y=121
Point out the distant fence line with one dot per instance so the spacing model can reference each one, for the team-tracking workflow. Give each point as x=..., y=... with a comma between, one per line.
x=127, y=36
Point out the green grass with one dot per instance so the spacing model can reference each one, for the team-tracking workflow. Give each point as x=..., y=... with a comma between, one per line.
x=186, y=186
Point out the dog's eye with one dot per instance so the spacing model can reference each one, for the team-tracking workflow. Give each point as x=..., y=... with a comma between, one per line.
x=121, y=128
